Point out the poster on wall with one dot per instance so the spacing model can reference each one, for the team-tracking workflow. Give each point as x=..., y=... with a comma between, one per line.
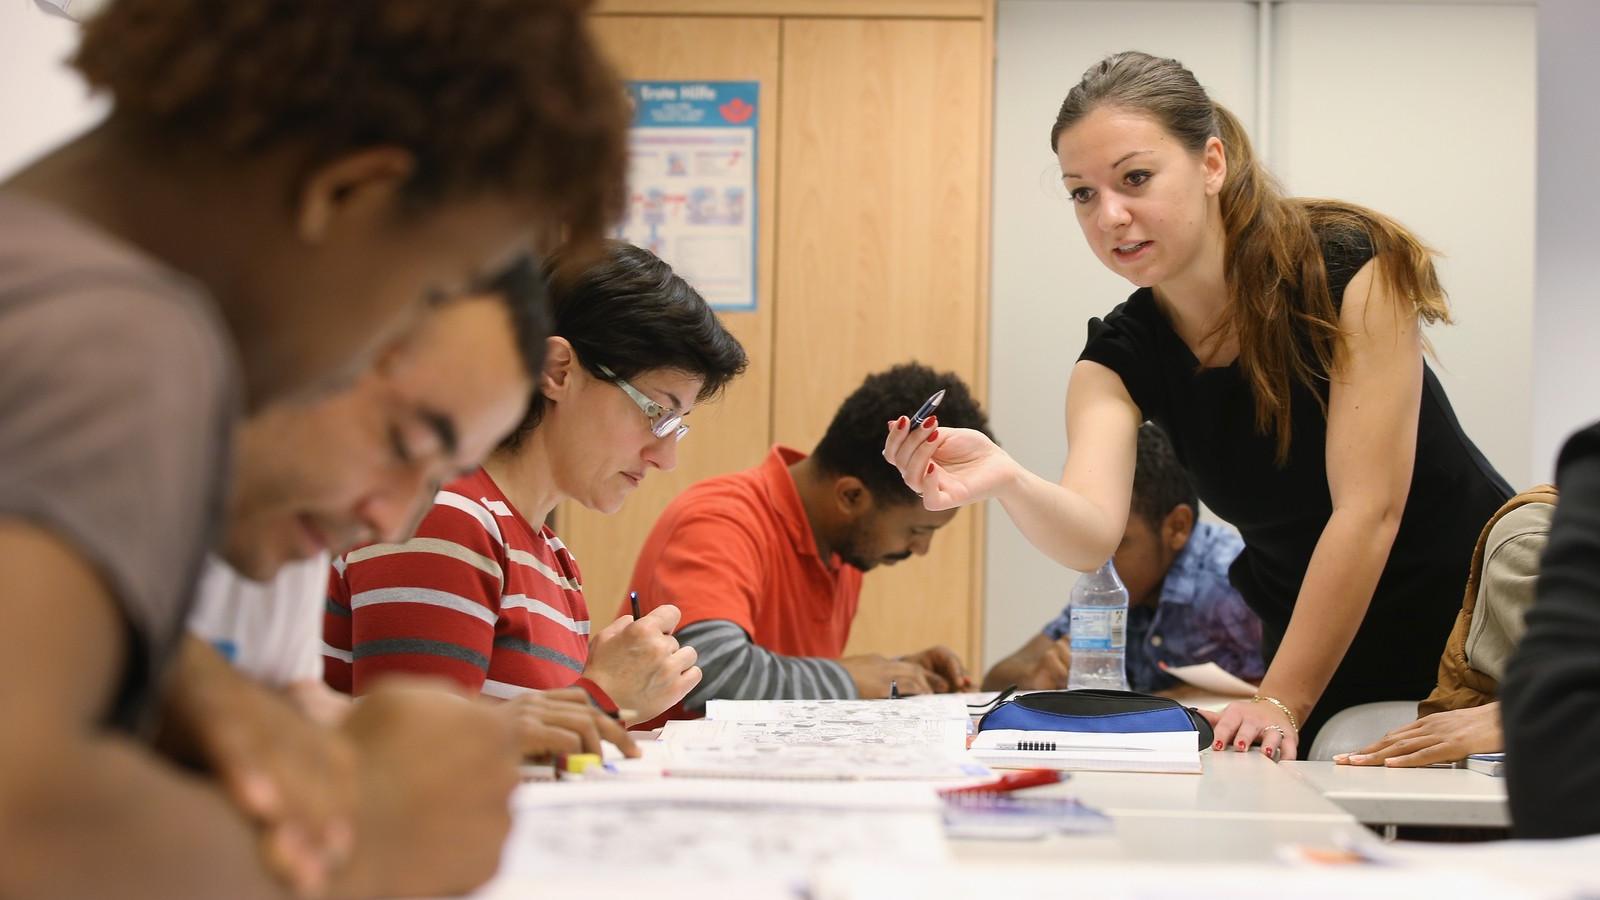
x=692, y=183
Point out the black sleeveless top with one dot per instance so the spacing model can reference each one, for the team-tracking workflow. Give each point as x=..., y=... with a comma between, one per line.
x=1280, y=511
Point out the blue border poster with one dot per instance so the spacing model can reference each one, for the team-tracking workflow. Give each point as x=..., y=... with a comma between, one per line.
x=692, y=183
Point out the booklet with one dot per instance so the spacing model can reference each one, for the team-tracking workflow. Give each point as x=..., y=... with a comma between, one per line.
x=1488, y=764
x=1158, y=751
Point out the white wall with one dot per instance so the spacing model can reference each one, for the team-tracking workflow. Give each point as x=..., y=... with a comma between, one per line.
x=1426, y=112
x=1385, y=104
x=1566, y=374
x=42, y=102
x=1046, y=282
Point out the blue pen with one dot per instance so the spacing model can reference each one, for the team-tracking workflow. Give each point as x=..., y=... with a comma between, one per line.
x=633, y=598
x=927, y=409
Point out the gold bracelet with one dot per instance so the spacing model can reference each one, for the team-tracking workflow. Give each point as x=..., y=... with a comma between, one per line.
x=1293, y=722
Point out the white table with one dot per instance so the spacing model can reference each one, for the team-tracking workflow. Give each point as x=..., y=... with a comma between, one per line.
x=1436, y=797
x=1240, y=810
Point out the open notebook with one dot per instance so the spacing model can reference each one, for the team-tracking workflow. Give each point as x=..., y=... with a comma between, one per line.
x=1159, y=751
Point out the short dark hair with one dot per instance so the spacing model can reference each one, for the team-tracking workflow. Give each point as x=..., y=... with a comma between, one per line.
x=629, y=312
x=489, y=96
x=853, y=443
x=1160, y=482
x=521, y=286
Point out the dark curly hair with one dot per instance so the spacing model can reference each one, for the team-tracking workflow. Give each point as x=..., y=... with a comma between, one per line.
x=1160, y=483
x=853, y=443
x=487, y=95
x=628, y=311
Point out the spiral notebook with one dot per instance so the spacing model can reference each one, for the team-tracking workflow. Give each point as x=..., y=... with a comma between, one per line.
x=1160, y=751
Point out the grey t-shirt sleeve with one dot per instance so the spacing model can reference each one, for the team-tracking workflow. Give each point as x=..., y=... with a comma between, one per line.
x=735, y=668
x=118, y=397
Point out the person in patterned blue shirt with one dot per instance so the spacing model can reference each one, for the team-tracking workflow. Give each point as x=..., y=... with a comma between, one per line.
x=1181, y=608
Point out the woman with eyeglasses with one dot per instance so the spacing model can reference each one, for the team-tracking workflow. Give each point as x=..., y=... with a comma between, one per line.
x=485, y=594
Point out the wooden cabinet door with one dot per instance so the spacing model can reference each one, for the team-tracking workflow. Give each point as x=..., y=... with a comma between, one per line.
x=880, y=229
x=733, y=432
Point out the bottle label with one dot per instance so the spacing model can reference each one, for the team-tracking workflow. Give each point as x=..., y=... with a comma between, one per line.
x=1098, y=629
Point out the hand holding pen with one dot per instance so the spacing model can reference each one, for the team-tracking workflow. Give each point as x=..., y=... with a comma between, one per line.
x=947, y=467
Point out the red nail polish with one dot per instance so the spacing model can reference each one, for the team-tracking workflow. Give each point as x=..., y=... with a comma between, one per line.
x=930, y=421
x=932, y=436
x=1217, y=746
x=901, y=424
x=930, y=468
x=1240, y=745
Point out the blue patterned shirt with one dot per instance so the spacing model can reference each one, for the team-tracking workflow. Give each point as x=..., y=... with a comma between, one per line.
x=1200, y=617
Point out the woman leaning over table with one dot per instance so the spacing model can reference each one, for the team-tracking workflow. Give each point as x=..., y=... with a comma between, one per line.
x=1278, y=341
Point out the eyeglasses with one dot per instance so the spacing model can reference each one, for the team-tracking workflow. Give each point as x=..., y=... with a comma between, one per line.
x=663, y=421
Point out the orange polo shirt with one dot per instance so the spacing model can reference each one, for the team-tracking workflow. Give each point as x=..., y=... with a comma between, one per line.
x=739, y=547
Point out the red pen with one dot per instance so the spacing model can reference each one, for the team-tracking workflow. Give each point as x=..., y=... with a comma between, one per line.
x=1011, y=781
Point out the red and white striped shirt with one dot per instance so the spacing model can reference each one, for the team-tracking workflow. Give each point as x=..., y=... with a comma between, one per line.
x=478, y=596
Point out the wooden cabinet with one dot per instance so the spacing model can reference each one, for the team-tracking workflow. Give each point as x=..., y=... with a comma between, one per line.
x=874, y=144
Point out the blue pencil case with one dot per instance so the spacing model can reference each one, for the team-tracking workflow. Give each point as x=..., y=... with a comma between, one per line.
x=1104, y=712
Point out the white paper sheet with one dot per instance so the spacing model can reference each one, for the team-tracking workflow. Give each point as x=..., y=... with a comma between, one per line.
x=1212, y=677
x=924, y=706
x=920, y=749
x=717, y=836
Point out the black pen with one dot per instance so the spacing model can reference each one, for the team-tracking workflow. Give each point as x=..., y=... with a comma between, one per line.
x=894, y=689
x=633, y=598
x=927, y=409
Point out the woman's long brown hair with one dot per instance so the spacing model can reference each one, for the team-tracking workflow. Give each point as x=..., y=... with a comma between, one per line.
x=1281, y=310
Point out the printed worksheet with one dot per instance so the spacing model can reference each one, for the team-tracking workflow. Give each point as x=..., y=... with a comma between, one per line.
x=915, y=749
x=922, y=707
x=762, y=837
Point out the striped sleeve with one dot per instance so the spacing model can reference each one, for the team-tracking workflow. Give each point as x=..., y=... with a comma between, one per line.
x=735, y=668
x=428, y=606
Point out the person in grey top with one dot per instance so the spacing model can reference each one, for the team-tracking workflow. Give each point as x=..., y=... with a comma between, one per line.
x=280, y=186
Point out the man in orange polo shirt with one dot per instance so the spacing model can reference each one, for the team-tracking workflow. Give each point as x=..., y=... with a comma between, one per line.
x=766, y=564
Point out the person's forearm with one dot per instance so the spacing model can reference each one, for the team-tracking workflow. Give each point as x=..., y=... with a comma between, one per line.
x=1060, y=522
x=1343, y=573
x=737, y=669
x=201, y=685
x=105, y=818
x=1007, y=672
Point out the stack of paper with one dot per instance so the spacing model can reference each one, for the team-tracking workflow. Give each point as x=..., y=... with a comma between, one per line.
x=1162, y=751
x=863, y=712
x=626, y=838
x=919, y=738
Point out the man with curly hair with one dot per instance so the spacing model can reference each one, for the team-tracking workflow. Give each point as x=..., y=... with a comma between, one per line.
x=766, y=564
x=279, y=188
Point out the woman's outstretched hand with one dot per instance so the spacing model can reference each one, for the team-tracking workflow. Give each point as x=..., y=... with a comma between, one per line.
x=949, y=467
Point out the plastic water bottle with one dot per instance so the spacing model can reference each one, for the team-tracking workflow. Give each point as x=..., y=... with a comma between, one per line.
x=1099, y=622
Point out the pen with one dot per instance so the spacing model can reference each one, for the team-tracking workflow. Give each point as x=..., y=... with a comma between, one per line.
x=927, y=409
x=894, y=689
x=633, y=598
x=1012, y=781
